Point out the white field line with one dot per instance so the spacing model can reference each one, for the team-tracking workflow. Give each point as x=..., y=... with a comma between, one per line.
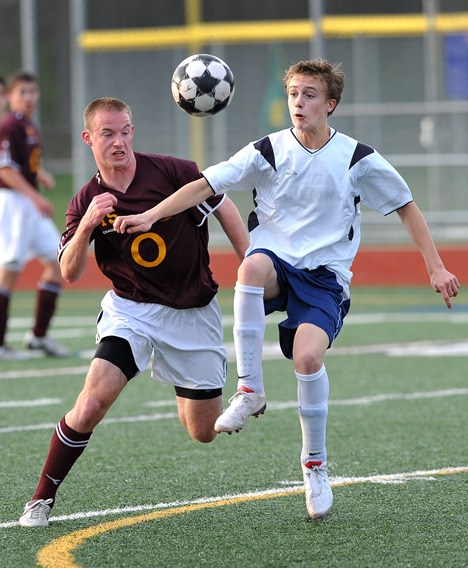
x=228, y=320
x=38, y=373
x=59, y=321
x=272, y=351
x=30, y=403
x=364, y=400
x=59, y=333
x=76, y=327
x=294, y=488
x=106, y=422
x=272, y=406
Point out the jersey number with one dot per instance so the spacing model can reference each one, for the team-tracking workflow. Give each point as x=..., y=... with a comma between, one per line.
x=136, y=250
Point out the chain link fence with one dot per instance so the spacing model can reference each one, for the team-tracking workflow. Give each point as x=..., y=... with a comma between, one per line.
x=406, y=89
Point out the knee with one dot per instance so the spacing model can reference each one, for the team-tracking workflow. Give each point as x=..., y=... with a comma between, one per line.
x=203, y=435
x=88, y=412
x=254, y=270
x=308, y=363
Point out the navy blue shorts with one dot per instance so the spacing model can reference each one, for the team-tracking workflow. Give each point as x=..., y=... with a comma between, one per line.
x=307, y=296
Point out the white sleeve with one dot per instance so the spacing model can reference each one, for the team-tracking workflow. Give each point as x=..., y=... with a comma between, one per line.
x=237, y=173
x=381, y=187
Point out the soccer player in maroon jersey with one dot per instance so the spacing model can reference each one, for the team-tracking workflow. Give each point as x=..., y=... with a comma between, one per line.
x=26, y=228
x=3, y=98
x=162, y=304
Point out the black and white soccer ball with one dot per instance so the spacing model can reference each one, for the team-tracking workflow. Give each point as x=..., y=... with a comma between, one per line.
x=202, y=85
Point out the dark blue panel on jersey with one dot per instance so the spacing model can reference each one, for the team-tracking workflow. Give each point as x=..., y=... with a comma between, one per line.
x=361, y=151
x=266, y=150
x=253, y=221
x=357, y=200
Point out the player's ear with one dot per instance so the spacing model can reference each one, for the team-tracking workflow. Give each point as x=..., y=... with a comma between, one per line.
x=86, y=137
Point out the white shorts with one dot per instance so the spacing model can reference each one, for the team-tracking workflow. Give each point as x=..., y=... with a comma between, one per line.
x=186, y=345
x=24, y=233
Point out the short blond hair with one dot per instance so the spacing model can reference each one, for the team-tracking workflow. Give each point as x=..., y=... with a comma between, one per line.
x=107, y=104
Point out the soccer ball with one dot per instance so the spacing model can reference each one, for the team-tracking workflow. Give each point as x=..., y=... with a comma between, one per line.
x=202, y=85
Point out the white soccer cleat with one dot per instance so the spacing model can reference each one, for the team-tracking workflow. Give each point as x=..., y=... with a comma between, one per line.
x=45, y=344
x=242, y=405
x=318, y=493
x=36, y=513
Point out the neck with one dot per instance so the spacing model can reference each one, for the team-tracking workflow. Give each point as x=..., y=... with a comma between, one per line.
x=118, y=179
x=313, y=140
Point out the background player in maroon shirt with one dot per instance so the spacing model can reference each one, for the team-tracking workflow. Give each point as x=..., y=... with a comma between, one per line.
x=3, y=98
x=26, y=227
x=163, y=300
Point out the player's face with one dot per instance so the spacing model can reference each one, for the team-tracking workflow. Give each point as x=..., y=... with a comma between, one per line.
x=308, y=102
x=111, y=139
x=24, y=97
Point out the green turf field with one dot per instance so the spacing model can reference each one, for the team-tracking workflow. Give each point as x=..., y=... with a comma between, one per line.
x=144, y=495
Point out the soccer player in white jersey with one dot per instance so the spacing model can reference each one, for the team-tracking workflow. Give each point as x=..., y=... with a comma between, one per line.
x=308, y=182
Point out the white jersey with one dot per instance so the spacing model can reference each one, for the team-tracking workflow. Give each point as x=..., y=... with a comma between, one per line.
x=307, y=203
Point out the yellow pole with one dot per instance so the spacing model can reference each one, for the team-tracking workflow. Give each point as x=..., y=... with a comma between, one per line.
x=197, y=126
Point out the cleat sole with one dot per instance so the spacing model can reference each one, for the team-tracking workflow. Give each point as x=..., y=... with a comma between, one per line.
x=260, y=412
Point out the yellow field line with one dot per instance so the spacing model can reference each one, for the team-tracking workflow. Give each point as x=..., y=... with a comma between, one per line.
x=59, y=553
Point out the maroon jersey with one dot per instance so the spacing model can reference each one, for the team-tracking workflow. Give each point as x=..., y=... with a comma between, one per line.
x=20, y=146
x=170, y=263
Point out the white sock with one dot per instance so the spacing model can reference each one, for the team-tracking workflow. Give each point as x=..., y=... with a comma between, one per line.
x=312, y=394
x=249, y=331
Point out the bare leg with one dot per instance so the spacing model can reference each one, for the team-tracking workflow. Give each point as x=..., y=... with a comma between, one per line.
x=199, y=417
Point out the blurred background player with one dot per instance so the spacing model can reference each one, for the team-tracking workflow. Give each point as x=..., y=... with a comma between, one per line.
x=3, y=98
x=163, y=302
x=26, y=228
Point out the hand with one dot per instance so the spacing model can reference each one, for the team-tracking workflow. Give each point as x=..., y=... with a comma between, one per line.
x=445, y=283
x=100, y=206
x=43, y=204
x=133, y=223
x=46, y=179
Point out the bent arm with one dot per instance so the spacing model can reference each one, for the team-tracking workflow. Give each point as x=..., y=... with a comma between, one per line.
x=442, y=280
x=231, y=221
x=17, y=182
x=74, y=257
x=187, y=196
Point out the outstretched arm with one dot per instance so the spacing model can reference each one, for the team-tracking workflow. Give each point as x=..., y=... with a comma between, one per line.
x=442, y=281
x=187, y=196
x=231, y=221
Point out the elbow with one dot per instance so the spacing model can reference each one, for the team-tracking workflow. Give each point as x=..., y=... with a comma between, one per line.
x=70, y=276
x=69, y=279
